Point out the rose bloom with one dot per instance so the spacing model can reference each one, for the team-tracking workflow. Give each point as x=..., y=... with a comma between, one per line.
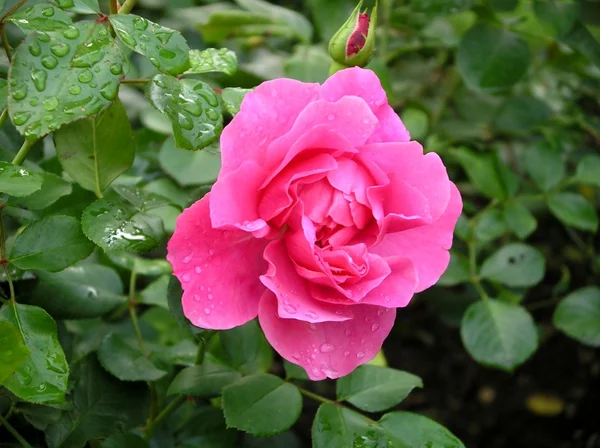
x=325, y=218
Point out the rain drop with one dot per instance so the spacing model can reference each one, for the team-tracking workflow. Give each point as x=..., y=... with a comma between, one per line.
x=167, y=54
x=20, y=92
x=198, y=270
x=347, y=332
x=71, y=33
x=290, y=309
x=50, y=103
x=75, y=90
x=116, y=69
x=327, y=348
x=21, y=118
x=155, y=62
x=210, y=297
x=126, y=38
x=346, y=353
x=34, y=48
x=49, y=62
x=197, y=297
x=374, y=327
x=206, y=310
x=140, y=24
x=212, y=114
x=186, y=278
x=315, y=371
x=310, y=315
x=60, y=49
x=85, y=76
x=360, y=355
x=48, y=12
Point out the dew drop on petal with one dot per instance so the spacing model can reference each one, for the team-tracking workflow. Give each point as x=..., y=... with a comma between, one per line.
x=360, y=355
x=186, y=278
x=206, y=310
x=210, y=297
x=347, y=332
x=374, y=327
x=327, y=348
x=196, y=297
x=346, y=353
x=198, y=270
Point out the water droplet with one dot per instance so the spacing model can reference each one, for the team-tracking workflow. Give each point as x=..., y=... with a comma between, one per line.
x=34, y=102
x=185, y=121
x=327, y=348
x=75, y=90
x=20, y=118
x=315, y=371
x=380, y=312
x=34, y=48
x=387, y=299
x=211, y=253
x=212, y=114
x=140, y=23
x=19, y=92
x=71, y=33
x=48, y=12
x=290, y=309
x=367, y=319
x=310, y=315
x=48, y=117
x=50, y=103
x=347, y=332
x=116, y=69
x=210, y=297
x=110, y=90
x=43, y=37
x=186, y=278
x=360, y=355
x=85, y=76
x=197, y=297
x=155, y=62
x=365, y=121
x=60, y=49
x=374, y=327
x=49, y=62
x=39, y=78
x=126, y=38
x=346, y=353
x=296, y=356
x=64, y=4
x=167, y=54
x=207, y=310
x=102, y=32
x=193, y=108
x=363, y=340
x=198, y=270
x=313, y=327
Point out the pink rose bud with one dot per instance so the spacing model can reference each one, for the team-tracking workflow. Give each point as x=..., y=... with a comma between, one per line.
x=325, y=219
x=354, y=42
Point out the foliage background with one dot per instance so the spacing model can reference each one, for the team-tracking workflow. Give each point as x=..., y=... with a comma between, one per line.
x=506, y=91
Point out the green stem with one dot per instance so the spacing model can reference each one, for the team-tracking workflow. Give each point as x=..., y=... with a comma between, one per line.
x=475, y=280
x=12, y=10
x=164, y=414
x=133, y=313
x=127, y=6
x=113, y=6
x=22, y=154
x=14, y=432
x=5, y=43
x=321, y=399
x=3, y=117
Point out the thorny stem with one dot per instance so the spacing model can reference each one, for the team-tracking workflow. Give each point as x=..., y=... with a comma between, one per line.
x=22, y=154
x=14, y=432
x=5, y=43
x=127, y=6
x=12, y=10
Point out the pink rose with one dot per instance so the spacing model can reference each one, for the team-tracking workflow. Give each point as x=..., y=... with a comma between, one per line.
x=325, y=218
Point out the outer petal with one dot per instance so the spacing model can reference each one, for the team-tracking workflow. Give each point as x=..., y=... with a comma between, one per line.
x=365, y=84
x=426, y=173
x=235, y=199
x=327, y=349
x=293, y=296
x=218, y=269
x=266, y=113
x=427, y=246
x=398, y=288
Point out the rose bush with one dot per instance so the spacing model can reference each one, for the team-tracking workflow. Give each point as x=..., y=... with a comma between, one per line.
x=325, y=218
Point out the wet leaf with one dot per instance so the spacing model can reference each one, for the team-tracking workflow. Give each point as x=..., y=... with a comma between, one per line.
x=42, y=378
x=166, y=49
x=13, y=351
x=213, y=60
x=17, y=181
x=53, y=188
x=41, y=17
x=62, y=76
x=189, y=167
x=206, y=380
x=192, y=107
x=516, y=264
x=578, y=315
x=419, y=431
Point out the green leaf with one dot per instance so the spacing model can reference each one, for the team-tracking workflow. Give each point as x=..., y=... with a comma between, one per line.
x=458, y=271
x=574, y=210
x=519, y=219
x=583, y=41
x=192, y=107
x=516, y=264
x=13, y=351
x=166, y=49
x=338, y=427
x=521, y=114
x=498, y=334
x=62, y=76
x=441, y=7
x=482, y=171
x=3, y=94
x=261, y=404
x=206, y=380
x=80, y=6
x=213, y=60
x=119, y=221
x=156, y=292
x=174, y=294
x=41, y=17
x=123, y=440
x=246, y=348
x=78, y=292
x=52, y=244
x=142, y=266
x=189, y=168
x=492, y=59
x=294, y=371
x=560, y=15
x=329, y=15
x=375, y=389
x=418, y=431
x=125, y=362
x=42, y=378
x=295, y=21
x=40, y=417
x=100, y=404
x=416, y=121
x=17, y=181
x=489, y=225
x=578, y=315
x=308, y=64
x=96, y=150
x=53, y=188
x=588, y=170
x=545, y=165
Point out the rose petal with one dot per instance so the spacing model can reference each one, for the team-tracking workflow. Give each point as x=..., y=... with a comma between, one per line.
x=427, y=246
x=398, y=288
x=234, y=199
x=218, y=269
x=266, y=113
x=426, y=173
x=365, y=84
x=326, y=349
x=294, y=300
